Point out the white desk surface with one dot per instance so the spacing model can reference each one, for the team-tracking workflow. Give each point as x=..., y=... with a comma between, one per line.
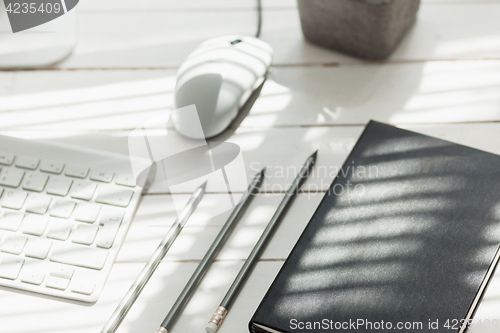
x=443, y=80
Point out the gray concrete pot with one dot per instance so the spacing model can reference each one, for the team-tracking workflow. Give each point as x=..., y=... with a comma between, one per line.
x=369, y=29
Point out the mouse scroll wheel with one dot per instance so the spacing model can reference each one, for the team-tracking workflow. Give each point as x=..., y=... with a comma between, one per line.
x=236, y=41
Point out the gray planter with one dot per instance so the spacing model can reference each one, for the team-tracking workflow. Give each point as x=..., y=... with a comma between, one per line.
x=369, y=29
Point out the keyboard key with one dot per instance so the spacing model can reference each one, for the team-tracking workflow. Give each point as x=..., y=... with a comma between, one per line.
x=35, y=224
x=14, y=199
x=107, y=235
x=87, y=212
x=62, y=209
x=63, y=272
x=110, y=223
x=52, y=167
x=11, y=177
x=59, y=229
x=78, y=255
x=6, y=158
x=14, y=244
x=56, y=283
x=10, y=266
x=114, y=195
x=125, y=179
x=38, y=203
x=35, y=182
x=11, y=221
x=76, y=171
x=59, y=186
x=102, y=176
x=32, y=276
x=27, y=162
x=38, y=248
x=82, y=287
x=57, y=245
x=111, y=215
x=84, y=234
x=83, y=190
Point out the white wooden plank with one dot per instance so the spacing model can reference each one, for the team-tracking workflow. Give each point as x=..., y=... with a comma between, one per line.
x=219, y=276
x=159, y=39
x=86, y=99
x=258, y=150
x=457, y=2
x=437, y=92
x=487, y=317
x=158, y=297
x=156, y=214
x=431, y=101
x=284, y=150
x=164, y=39
x=152, y=5
x=214, y=286
x=430, y=92
x=6, y=83
x=171, y=276
x=439, y=33
x=56, y=315
x=439, y=36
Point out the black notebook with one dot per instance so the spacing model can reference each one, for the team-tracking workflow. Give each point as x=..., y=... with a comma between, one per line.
x=406, y=239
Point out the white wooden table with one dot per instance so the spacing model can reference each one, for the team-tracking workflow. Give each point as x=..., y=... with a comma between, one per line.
x=443, y=80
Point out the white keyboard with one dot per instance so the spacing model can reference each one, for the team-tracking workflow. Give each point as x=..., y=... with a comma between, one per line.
x=64, y=213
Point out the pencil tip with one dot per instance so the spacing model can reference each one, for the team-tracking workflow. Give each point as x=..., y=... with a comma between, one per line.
x=204, y=185
x=314, y=155
x=262, y=172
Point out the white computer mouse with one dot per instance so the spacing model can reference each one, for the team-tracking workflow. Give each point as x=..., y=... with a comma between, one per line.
x=218, y=77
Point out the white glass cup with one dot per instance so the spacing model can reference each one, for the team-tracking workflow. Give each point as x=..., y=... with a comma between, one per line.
x=40, y=46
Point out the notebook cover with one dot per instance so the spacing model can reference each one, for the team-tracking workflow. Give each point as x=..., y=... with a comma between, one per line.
x=407, y=233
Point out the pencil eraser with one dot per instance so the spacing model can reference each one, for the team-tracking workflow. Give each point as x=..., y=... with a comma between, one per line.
x=211, y=328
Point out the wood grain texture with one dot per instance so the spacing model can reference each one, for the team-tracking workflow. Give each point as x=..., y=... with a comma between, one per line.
x=163, y=39
x=409, y=93
x=443, y=80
